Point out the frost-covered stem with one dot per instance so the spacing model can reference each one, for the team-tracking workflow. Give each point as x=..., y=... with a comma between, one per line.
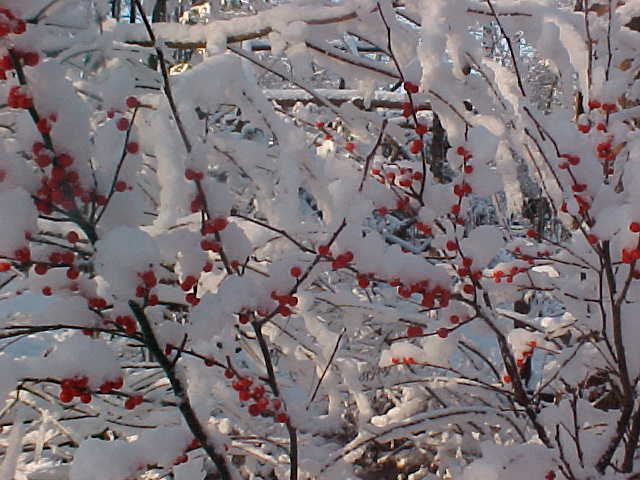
x=273, y=229
x=304, y=275
x=335, y=54
x=166, y=84
x=18, y=330
x=587, y=28
x=565, y=468
x=123, y=155
x=74, y=215
x=207, y=215
x=421, y=419
x=609, y=53
x=510, y=45
x=372, y=154
x=632, y=443
x=263, y=32
x=621, y=361
x=132, y=12
x=423, y=158
x=509, y=362
x=184, y=404
x=273, y=384
x=22, y=79
x=249, y=56
x=326, y=368
x=576, y=427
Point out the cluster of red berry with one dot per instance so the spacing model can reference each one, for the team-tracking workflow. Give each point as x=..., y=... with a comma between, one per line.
x=145, y=288
x=498, y=275
x=9, y=23
x=403, y=176
x=522, y=358
x=75, y=387
x=133, y=401
x=127, y=323
x=261, y=404
x=19, y=97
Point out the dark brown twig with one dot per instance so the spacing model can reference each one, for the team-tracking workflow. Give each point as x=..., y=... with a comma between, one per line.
x=184, y=403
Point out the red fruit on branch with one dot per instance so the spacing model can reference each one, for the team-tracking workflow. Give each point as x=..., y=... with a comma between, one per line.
x=410, y=87
x=132, y=102
x=442, y=332
x=415, y=146
x=122, y=124
x=414, y=331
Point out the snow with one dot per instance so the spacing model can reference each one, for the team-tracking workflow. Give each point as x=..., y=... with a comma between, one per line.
x=254, y=119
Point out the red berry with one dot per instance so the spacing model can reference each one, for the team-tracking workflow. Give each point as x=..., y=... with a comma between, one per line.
x=149, y=279
x=43, y=126
x=349, y=147
x=46, y=291
x=532, y=233
x=406, y=110
x=634, y=227
x=421, y=129
x=228, y=373
x=66, y=395
x=120, y=186
x=190, y=174
x=415, y=146
x=255, y=409
x=593, y=104
x=19, y=27
x=220, y=224
x=188, y=283
x=133, y=148
x=295, y=272
x=257, y=392
x=414, y=331
x=40, y=269
x=442, y=332
x=281, y=417
x=85, y=397
x=132, y=102
x=324, y=250
x=363, y=282
x=67, y=257
x=72, y=237
x=122, y=124
x=451, y=245
x=506, y=379
x=43, y=160
x=192, y=299
x=411, y=87
x=72, y=273
x=468, y=288
x=64, y=160
x=22, y=254
x=5, y=267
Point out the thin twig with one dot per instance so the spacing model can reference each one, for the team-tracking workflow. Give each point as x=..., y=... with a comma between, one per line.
x=326, y=368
